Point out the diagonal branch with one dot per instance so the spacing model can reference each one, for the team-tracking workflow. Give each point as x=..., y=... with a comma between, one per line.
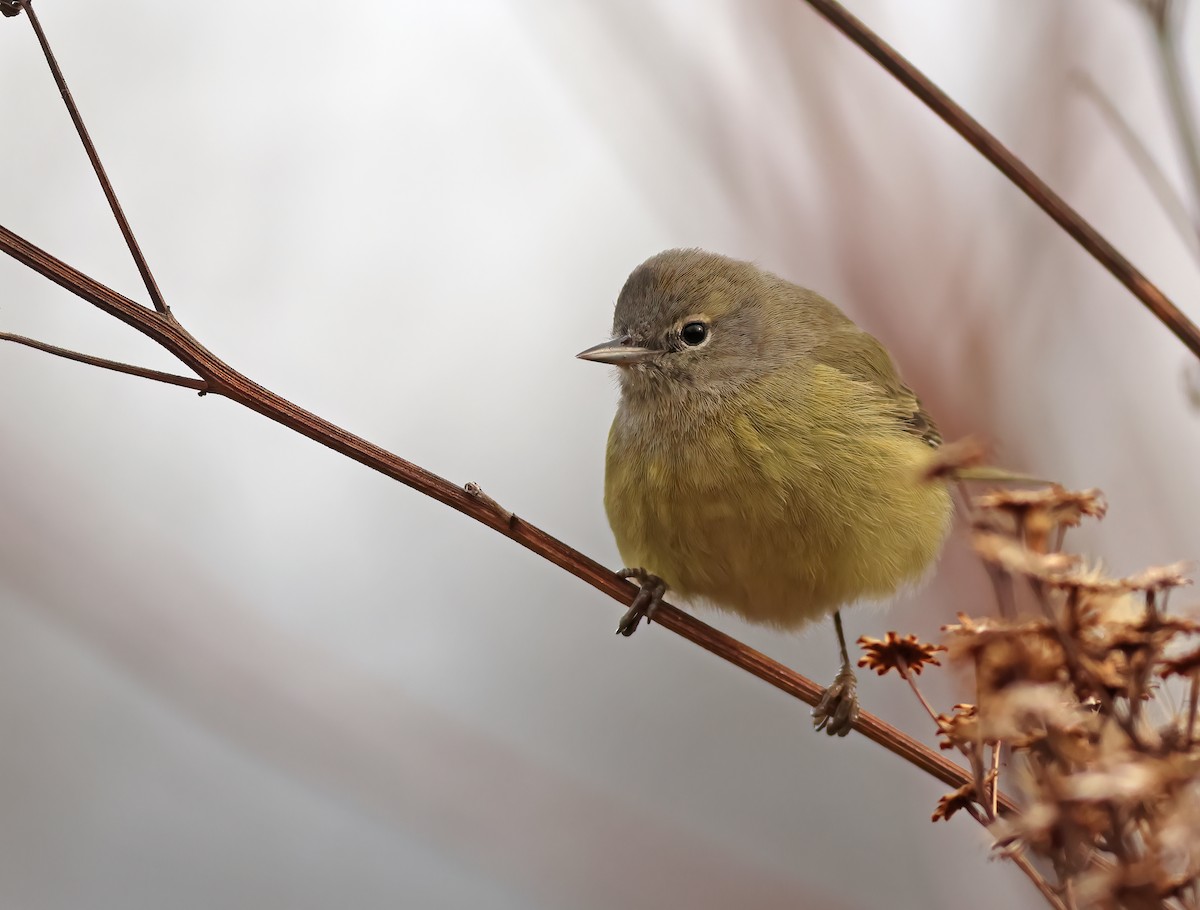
x=1014, y=169
x=93, y=156
x=223, y=380
x=116, y=366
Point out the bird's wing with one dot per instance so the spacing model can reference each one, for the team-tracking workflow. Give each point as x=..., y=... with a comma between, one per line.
x=861, y=357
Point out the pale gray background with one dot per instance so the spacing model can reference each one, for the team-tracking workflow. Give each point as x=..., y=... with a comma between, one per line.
x=237, y=670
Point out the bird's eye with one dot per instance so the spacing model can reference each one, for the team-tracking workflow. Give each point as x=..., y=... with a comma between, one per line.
x=694, y=333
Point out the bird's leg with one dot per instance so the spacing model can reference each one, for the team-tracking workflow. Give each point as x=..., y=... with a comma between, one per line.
x=648, y=598
x=838, y=709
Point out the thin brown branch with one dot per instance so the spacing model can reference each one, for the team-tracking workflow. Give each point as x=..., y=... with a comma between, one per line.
x=223, y=380
x=1014, y=169
x=109, y=193
x=1038, y=880
x=116, y=366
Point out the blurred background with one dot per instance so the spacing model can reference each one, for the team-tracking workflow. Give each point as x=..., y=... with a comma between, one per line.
x=237, y=670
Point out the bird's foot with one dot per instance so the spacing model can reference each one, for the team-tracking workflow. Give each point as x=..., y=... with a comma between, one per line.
x=838, y=708
x=648, y=599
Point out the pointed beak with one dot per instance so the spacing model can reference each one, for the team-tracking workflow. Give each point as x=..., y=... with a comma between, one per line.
x=619, y=352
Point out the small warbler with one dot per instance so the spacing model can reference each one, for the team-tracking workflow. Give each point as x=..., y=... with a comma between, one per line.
x=765, y=456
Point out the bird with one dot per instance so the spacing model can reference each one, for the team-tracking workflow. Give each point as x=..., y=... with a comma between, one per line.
x=765, y=457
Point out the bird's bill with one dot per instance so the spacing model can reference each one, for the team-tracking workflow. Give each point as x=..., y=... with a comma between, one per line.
x=620, y=352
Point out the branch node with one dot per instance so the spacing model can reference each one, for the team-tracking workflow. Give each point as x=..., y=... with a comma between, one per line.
x=475, y=491
x=11, y=8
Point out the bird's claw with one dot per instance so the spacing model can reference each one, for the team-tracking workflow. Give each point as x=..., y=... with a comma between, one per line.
x=649, y=598
x=837, y=710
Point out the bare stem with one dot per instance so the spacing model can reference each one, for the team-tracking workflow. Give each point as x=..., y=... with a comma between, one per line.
x=1167, y=30
x=116, y=366
x=974, y=755
x=1168, y=198
x=995, y=775
x=1038, y=880
x=109, y=193
x=912, y=684
x=1193, y=695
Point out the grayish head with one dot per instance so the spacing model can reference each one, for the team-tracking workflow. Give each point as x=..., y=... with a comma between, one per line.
x=693, y=322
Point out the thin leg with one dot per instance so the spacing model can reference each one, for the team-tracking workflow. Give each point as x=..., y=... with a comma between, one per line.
x=838, y=709
x=841, y=634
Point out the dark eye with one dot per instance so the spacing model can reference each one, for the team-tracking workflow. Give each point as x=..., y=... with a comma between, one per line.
x=694, y=333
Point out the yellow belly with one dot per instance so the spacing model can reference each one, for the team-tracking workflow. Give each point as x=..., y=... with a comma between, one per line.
x=772, y=511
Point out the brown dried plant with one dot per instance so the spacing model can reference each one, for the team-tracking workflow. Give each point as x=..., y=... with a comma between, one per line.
x=1075, y=710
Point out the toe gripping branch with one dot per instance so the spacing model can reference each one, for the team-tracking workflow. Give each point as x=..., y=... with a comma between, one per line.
x=837, y=710
x=649, y=598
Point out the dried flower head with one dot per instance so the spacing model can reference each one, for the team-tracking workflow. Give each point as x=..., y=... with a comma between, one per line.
x=1151, y=580
x=1108, y=672
x=1068, y=506
x=895, y=653
x=1136, y=883
x=1130, y=781
x=1024, y=713
x=1037, y=515
x=1176, y=625
x=1016, y=559
x=960, y=728
x=1119, y=650
x=1159, y=578
x=1184, y=665
x=952, y=802
x=1005, y=653
x=1037, y=827
x=1111, y=793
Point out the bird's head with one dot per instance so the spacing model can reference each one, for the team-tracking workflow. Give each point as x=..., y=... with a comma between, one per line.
x=692, y=322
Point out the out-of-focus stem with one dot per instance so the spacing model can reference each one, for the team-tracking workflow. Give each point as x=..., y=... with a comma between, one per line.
x=1172, y=201
x=1167, y=30
x=1014, y=169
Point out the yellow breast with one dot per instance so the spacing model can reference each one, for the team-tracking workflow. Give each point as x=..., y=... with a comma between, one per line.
x=781, y=503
